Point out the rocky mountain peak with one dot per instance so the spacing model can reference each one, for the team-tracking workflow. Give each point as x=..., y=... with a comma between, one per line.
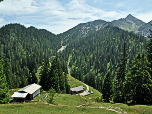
x=129, y=17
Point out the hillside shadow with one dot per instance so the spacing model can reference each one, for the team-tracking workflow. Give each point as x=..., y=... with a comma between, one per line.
x=133, y=104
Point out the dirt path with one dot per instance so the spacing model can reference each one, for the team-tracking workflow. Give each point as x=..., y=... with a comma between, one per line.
x=115, y=109
x=62, y=48
x=87, y=90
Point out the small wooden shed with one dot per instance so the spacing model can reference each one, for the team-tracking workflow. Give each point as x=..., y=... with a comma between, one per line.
x=77, y=90
x=27, y=93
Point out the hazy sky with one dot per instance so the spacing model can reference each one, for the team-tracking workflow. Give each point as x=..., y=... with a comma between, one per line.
x=58, y=16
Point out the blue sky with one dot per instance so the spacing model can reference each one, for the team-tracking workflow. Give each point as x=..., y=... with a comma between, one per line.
x=58, y=16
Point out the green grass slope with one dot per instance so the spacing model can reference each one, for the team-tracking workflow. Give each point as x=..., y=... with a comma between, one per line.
x=67, y=104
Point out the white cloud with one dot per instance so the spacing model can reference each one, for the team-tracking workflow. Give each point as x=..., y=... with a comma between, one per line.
x=21, y=7
x=146, y=17
x=26, y=25
x=57, y=17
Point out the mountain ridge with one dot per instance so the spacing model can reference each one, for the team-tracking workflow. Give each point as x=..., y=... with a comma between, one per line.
x=130, y=23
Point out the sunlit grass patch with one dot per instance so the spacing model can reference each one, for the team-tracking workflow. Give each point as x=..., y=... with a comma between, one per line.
x=74, y=82
x=134, y=109
x=68, y=100
x=41, y=108
x=95, y=94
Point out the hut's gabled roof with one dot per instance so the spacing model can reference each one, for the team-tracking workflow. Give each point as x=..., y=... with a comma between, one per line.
x=30, y=88
x=79, y=88
x=19, y=95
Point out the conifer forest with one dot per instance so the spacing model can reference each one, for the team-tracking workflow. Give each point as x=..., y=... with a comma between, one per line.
x=116, y=62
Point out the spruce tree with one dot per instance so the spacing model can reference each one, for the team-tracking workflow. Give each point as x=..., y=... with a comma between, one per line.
x=107, y=87
x=7, y=73
x=119, y=95
x=34, y=78
x=67, y=86
x=54, y=81
x=148, y=48
x=56, y=76
x=27, y=75
x=92, y=80
x=139, y=81
x=44, y=75
x=3, y=85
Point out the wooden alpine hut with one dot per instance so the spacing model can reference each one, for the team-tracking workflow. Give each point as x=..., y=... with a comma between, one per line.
x=77, y=90
x=27, y=93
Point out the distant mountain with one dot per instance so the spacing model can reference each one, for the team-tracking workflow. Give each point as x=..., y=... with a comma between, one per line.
x=130, y=23
x=144, y=29
x=82, y=30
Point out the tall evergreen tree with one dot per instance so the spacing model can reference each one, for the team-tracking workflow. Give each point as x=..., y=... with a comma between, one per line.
x=44, y=75
x=148, y=48
x=107, y=87
x=56, y=75
x=7, y=73
x=54, y=80
x=24, y=81
x=119, y=95
x=3, y=85
x=34, y=78
x=139, y=81
x=92, y=79
x=67, y=86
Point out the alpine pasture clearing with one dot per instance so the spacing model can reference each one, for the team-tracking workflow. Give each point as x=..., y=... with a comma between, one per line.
x=67, y=104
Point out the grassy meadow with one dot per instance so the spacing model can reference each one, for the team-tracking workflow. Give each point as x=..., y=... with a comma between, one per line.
x=67, y=104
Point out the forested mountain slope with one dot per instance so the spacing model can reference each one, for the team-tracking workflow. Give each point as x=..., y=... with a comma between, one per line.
x=25, y=48
x=93, y=55
x=81, y=30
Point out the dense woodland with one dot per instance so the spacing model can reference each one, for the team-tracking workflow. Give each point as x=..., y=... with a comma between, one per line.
x=97, y=53
x=116, y=62
x=52, y=77
x=113, y=61
x=24, y=49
